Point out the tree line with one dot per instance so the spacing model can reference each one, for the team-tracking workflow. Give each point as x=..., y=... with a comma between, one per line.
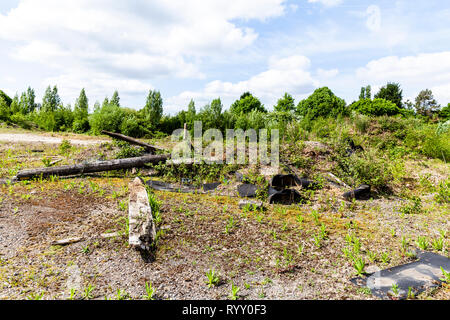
x=246, y=112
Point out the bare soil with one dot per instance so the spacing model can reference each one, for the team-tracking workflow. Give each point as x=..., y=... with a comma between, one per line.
x=268, y=255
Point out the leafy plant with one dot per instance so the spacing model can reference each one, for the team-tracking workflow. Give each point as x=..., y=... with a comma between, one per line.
x=234, y=292
x=438, y=244
x=422, y=243
x=446, y=275
x=213, y=278
x=150, y=291
x=359, y=264
x=88, y=292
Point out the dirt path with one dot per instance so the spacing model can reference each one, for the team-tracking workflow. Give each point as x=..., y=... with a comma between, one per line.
x=31, y=138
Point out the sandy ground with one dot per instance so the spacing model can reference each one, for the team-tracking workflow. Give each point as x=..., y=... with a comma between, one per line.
x=34, y=138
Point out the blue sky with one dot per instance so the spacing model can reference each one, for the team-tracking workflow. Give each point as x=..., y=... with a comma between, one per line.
x=203, y=50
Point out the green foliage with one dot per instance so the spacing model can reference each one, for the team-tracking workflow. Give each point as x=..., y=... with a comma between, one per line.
x=149, y=291
x=80, y=113
x=375, y=107
x=322, y=103
x=246, y=103
x=127, y=151
x=368, y=167
x=5, y=111
x=65, y=146
x=213, y=278
x=51, y=100
x=153, y=109
x=6, y=98
x=391, y=92
x=444, y=113
x=366, y=93
x=109, y=117
x=285, y=104
x=425, y=104
x=443, y=192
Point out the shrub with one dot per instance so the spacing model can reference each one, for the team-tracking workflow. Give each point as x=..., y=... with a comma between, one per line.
x=368, y=167
x=21, y=120
x=444, y=113
x=133, y=126
x=80, y=125
x=4, y=110
x=108, y=118
x=246, y=103
x=127, y=151
x=322, y=103
x=375, y=107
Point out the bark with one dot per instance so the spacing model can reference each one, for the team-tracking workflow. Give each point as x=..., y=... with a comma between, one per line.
x=92, y=167
x=130, y=140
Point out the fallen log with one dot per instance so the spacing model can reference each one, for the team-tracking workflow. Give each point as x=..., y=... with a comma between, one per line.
x=142, y=229
x=92, y=167
x=131, y=140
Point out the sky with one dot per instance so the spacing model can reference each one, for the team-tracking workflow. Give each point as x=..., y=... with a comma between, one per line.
x=203, y=50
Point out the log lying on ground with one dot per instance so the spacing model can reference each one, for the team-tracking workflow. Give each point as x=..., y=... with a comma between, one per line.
x=130, y=140
x=142, y=229
x=92, y=167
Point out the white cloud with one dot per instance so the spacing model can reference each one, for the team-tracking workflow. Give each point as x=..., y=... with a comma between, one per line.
x=129, y=41
x=327, y=74
x=327, y=3
x=283, y=75
x=414, y=73
x=373, y=21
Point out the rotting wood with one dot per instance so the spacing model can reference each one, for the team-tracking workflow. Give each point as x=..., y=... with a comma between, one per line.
x=92, y=167
x=67, y=241
x=142, y=229
x=131, y=140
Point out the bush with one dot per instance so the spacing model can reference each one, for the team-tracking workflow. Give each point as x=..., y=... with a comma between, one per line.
x=322, y=103
x=429, y=141
x=133, y=126
x=21, y=120
x=127, y=151
x=444, y=113
x=108, y=118
x=375, y=107
x=80, y=125
x=368, y=167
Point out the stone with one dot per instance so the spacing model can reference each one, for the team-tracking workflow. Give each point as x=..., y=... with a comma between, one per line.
x=142, y=229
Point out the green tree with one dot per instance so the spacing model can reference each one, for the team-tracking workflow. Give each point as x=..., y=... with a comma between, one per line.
x=190, y=114
x=51, y=100
x=391, y=92
x=5, y=97
x=425, y=104
x=366, y=93
x=80, y=113
x=375, y=107
x=5, y=111
x=322, y=103
x=285, y=104
x=15, y=105
x=153, y=109
x=246, y=103
x=444, y=113
x=115, y=99
x=27, y=102
x=216, y=108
